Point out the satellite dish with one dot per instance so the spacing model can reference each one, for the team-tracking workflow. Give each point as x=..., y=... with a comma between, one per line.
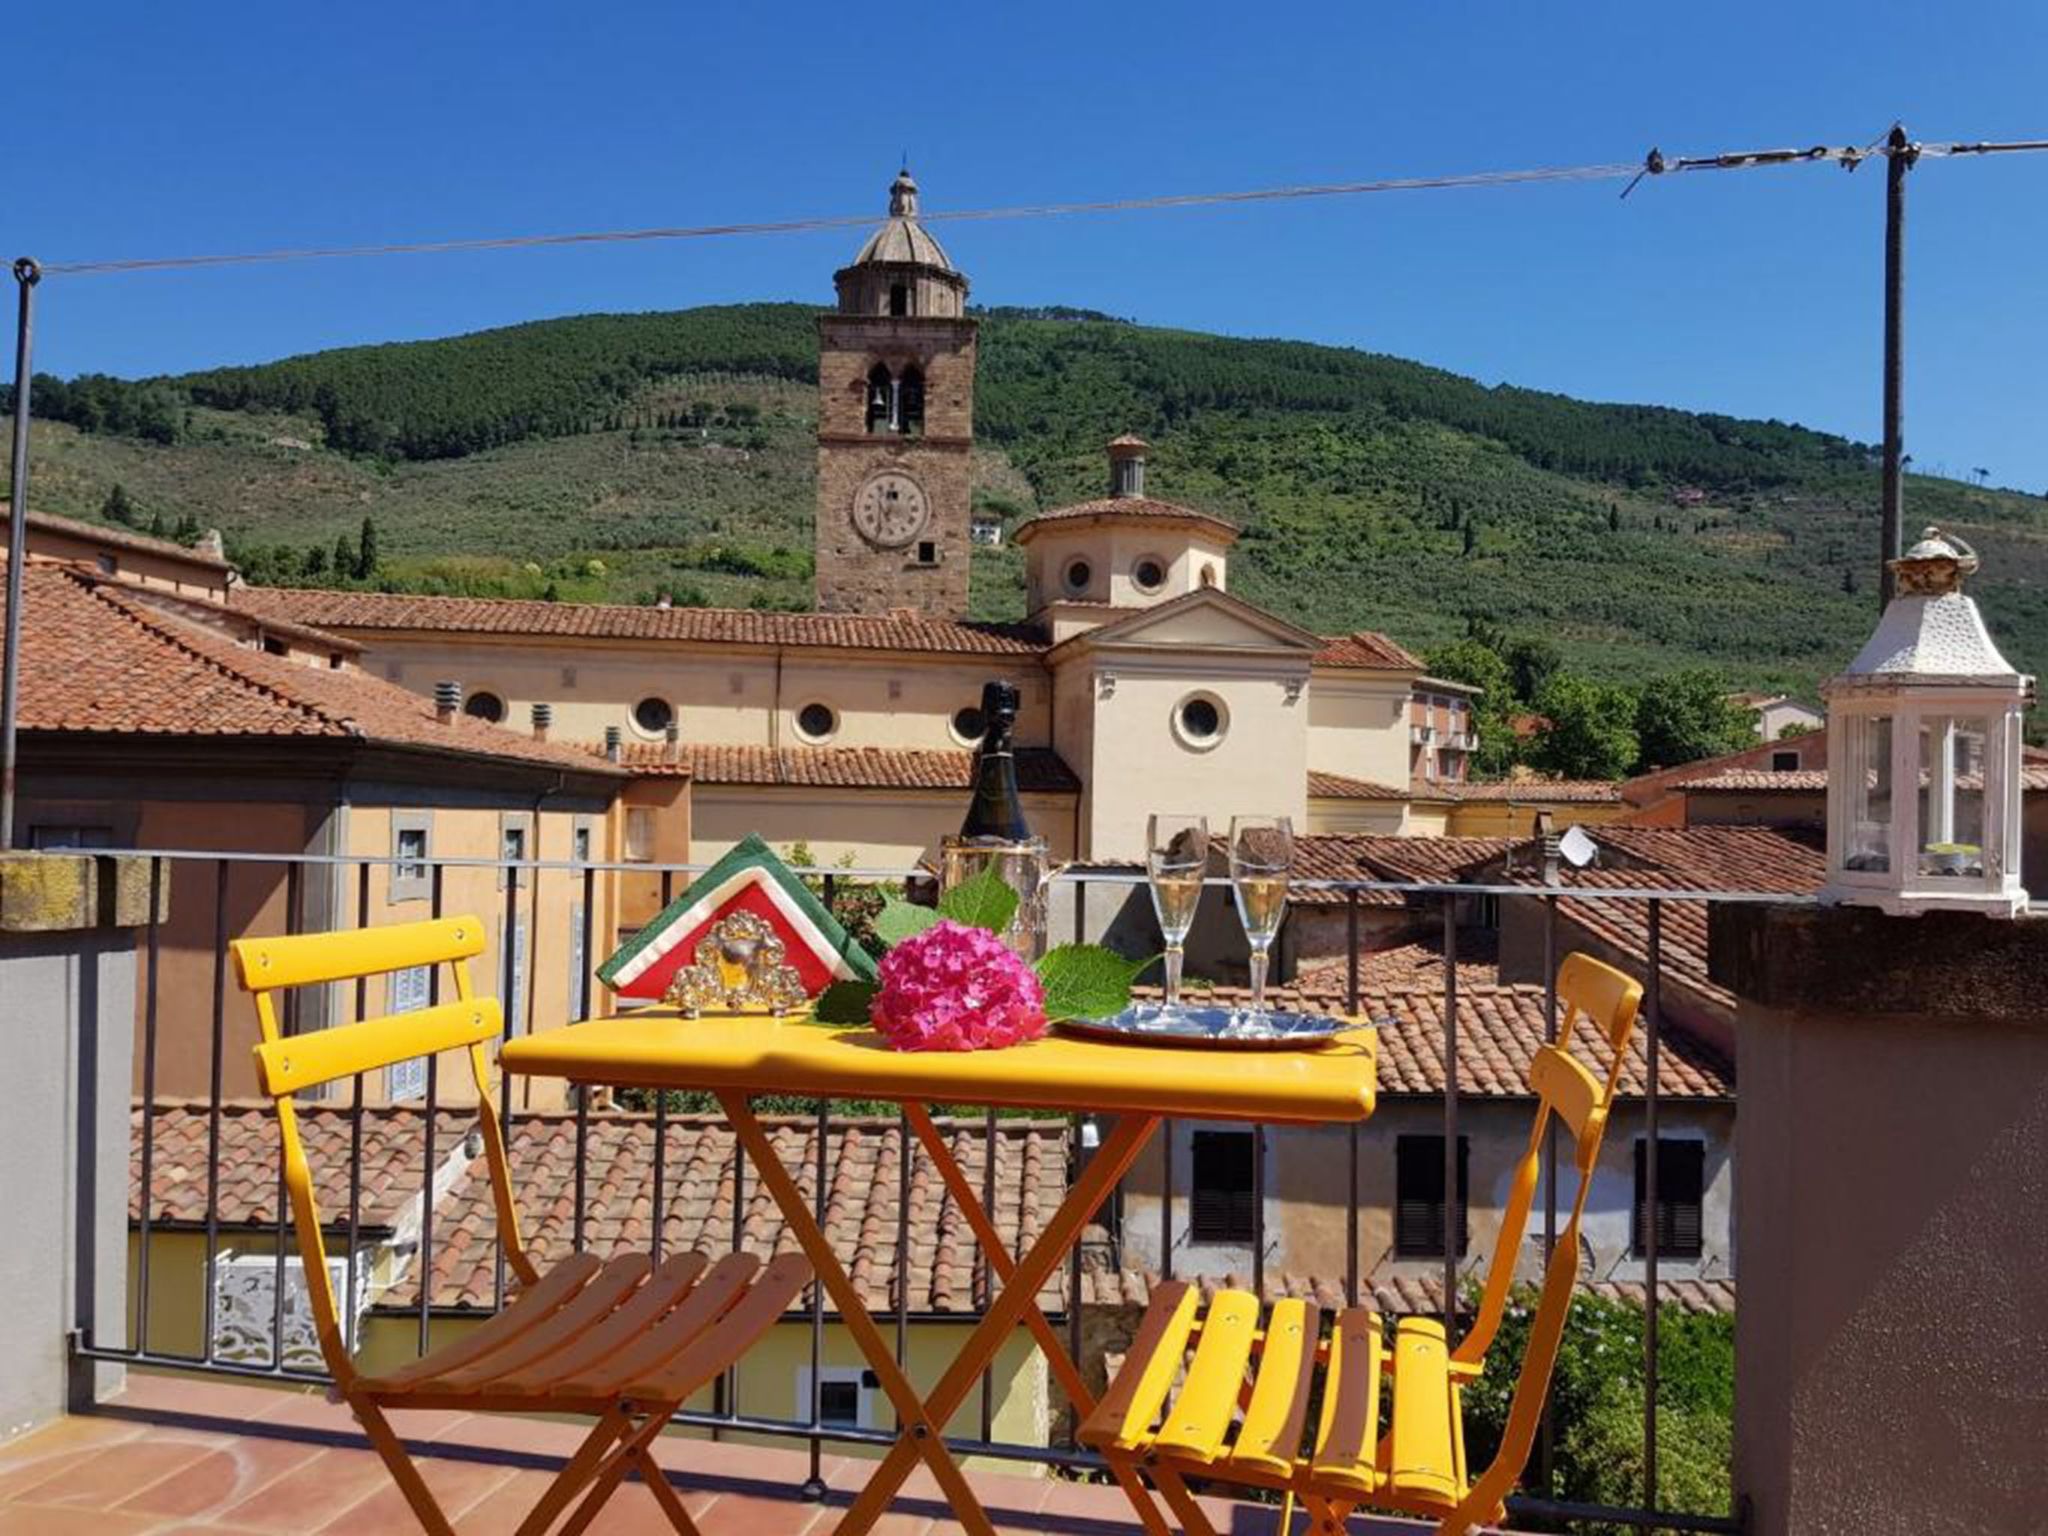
x=1578, y=849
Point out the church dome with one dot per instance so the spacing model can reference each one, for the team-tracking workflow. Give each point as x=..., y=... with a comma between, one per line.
x=903, y=240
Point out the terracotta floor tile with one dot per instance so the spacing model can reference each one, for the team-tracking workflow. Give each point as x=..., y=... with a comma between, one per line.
x=66, y=1435
x=321, y=1489
x=456, y=1485
x=181, y=1392
x=61, y=1520
x=221, y=1478
x=525, y=1433
x=120, y=1469
x=743, y=1514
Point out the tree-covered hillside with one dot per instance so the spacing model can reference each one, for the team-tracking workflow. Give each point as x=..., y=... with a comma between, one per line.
x=618, y=456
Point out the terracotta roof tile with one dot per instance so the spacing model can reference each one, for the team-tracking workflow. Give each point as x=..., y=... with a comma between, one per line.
x=119, y=538
x=1394, y=1295
x=1522, y=791
x=1363, y=856
x=1753, y=780
x=862, y=1171
x=1366, y=649
x=736, y=626
x=101, y=658
x=1335, y=786
x=1038, y=771
x=1140, y=507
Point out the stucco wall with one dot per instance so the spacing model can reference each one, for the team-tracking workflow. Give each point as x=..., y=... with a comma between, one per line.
x=1140, y=766
x=1357, y=726
x=1113, y=554
x=728, y=695
x=1307, y=1192
x=874, y=829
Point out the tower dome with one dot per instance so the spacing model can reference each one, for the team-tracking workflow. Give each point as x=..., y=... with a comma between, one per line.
x=901, y=269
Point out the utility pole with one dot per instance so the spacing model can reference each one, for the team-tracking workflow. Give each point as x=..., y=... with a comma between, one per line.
x=1900, y=153
x=26, y=275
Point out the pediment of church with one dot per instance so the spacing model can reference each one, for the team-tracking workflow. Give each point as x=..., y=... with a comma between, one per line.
x=1206, y=620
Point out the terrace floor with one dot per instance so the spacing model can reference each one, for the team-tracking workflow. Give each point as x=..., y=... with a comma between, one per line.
x=185, y=1455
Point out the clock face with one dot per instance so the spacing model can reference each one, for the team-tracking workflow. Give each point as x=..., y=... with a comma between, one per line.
x=890, y=509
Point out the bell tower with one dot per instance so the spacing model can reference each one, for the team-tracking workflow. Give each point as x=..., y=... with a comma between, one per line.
x=895, y=425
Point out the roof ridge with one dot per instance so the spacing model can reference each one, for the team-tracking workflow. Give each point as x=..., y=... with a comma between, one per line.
x=105, y=591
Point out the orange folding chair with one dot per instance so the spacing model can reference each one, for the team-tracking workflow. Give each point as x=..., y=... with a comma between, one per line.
x=624, y=1341
x=1245, y=1382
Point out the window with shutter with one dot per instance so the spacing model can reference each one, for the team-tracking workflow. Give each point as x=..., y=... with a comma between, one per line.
x=1681, y=1191
x=1419, y=1196
x=1223, y=1205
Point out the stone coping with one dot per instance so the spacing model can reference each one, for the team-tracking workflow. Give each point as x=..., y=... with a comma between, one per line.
x=75, y=892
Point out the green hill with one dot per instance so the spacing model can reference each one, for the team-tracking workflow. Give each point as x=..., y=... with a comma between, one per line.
x=615, y=456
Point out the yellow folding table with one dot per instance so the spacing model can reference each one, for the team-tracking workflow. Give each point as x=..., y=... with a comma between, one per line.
x=737, y=1056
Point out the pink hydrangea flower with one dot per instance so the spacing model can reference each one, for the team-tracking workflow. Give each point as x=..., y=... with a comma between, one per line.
x=955, y=988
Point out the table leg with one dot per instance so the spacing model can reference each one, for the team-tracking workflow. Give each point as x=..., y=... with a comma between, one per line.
x=923, y=1433
x=1119, y=1149
x=962, y=1190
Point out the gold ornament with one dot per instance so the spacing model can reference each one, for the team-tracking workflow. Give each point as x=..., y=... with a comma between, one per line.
x=738, y=968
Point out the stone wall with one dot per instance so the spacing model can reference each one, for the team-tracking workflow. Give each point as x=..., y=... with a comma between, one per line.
x=854, y=576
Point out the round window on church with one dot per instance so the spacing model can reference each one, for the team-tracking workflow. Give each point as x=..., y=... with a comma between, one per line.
x=1149, y=574
x=817, y=722
x=1077, y=576
x=652, y=715
x=968, y=726
x=1200, y=721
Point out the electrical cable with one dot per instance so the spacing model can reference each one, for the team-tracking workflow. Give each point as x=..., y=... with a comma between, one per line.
x=1655, y=164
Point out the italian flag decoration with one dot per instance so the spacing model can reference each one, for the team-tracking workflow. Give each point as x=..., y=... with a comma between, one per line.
x=749, y=879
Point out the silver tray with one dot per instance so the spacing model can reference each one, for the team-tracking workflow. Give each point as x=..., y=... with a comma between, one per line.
x=1231, y=1028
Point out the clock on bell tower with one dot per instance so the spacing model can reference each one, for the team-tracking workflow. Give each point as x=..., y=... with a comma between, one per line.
x=895, y=425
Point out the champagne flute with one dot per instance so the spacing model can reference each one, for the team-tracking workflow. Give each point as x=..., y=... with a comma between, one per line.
x=1176, y=857
x=1261, y=857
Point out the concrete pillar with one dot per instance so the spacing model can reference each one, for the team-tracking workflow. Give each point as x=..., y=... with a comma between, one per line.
x=1891, y=1218
x=68, y=975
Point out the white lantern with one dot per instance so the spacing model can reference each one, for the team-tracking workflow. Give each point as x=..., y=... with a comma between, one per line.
x=1924, y=751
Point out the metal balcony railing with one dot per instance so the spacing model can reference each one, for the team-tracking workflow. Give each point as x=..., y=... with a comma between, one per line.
x=522, y=882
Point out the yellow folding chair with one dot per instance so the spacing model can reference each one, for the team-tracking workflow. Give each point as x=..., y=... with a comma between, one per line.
x=624, y=1341
x=1245, y=1382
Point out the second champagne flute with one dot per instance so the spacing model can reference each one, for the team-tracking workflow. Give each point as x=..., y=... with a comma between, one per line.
x=1261, y=858
x=1176, y=858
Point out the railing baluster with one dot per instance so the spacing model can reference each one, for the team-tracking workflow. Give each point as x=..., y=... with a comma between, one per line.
x=1074, y=1272
x=982, y=1289
x=1351, y=1218
x=1166, y=1199
x=355, y=1132
x=213, y=1095
x=1351, y=952
x=508, y=941
x=1453, y=1210
x=1653, y=1007
x=426, y=1253
x=1547, y=1442
x=813, y=1490
x=1258, y=1211
x=904, y=1152
x=729, y=1383
x=292, y=877
x=658, y=1215
x=152, y=974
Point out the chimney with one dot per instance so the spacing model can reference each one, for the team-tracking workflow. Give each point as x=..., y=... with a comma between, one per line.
x=1546, y=846
x=447, y=700
x=1127, y=465
x=613, y=743
x=543, y=717
x=673, y=738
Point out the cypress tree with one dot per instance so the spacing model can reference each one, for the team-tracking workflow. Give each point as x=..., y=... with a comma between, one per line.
x=366, y=550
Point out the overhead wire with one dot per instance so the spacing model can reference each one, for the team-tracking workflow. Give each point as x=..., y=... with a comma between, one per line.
x=1655, y=164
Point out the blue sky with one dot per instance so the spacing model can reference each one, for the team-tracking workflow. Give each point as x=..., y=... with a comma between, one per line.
x=155, y=129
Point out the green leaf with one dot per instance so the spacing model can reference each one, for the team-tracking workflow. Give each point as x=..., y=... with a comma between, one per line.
x=899, y=920
x=1086, y=981
x=983, y=902
x=845, y=1002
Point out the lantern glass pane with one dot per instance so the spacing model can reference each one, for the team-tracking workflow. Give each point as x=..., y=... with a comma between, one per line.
x=1869, y=769
x=1952, y=768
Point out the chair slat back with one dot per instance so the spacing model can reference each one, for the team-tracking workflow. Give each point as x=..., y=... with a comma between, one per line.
x=1580, y=1101
x=287, y=1065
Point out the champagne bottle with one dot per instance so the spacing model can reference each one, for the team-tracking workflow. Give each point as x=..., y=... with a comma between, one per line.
x=996, y=814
